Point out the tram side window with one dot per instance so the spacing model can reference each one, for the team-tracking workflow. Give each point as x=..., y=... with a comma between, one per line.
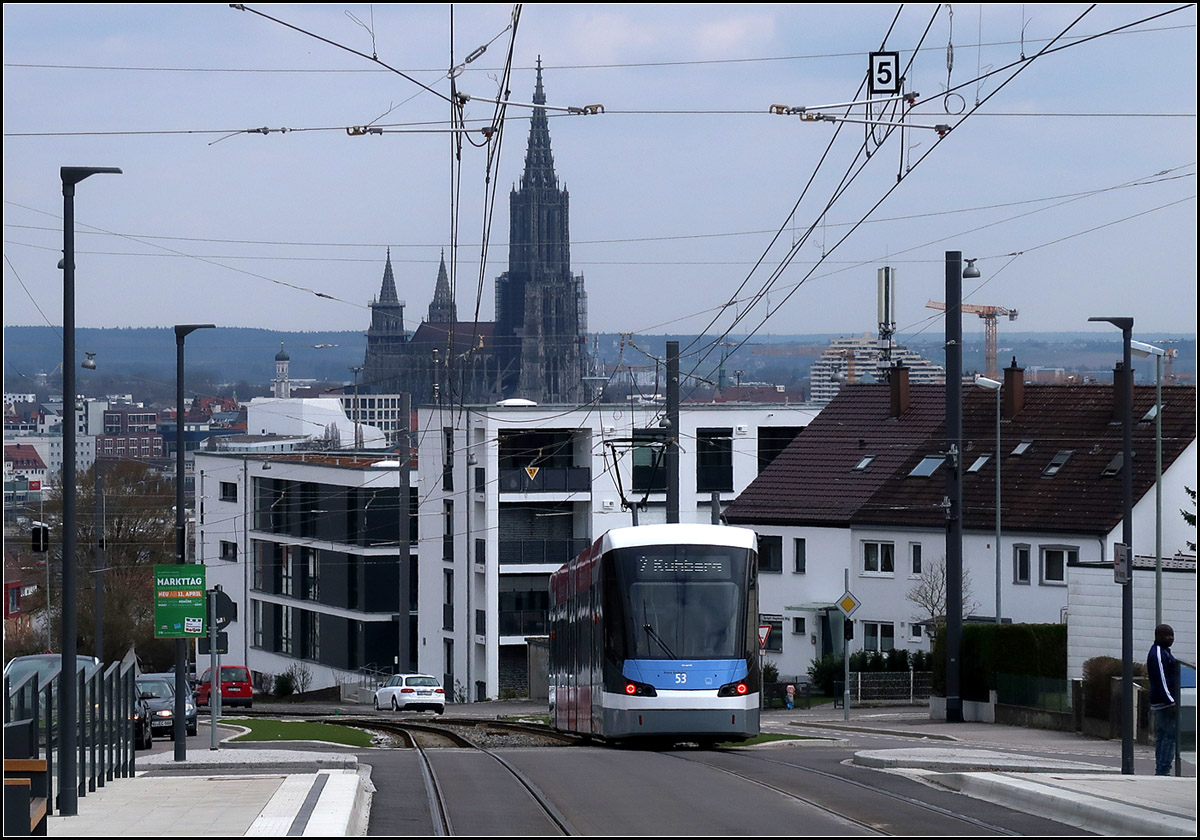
x=770, y=554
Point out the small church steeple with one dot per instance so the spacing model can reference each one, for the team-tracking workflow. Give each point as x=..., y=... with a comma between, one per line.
x=442, y=309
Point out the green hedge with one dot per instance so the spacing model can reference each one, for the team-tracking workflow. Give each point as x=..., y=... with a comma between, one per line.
x=1038, y=650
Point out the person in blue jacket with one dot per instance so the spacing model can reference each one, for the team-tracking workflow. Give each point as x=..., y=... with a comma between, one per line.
x=1163, y=670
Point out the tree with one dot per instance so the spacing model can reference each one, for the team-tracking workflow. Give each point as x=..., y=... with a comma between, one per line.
x=139, y=533
x=929, y=593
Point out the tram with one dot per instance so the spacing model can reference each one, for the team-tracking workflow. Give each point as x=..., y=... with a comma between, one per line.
x=653, y=636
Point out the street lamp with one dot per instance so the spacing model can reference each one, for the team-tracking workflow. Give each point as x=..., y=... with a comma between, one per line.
x=68, y=782
x=1140, y=349
x=993, y=385
x=1125, y=325
x=182, y=331
x=955, y=273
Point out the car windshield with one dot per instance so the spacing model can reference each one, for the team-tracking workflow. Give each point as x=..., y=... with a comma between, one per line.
x=424, y=681
x=159, y=688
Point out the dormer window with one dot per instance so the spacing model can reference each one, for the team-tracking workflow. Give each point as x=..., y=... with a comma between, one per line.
x=1022, y=447
x=864, y=463
x=1058, y=461
x=927, y=466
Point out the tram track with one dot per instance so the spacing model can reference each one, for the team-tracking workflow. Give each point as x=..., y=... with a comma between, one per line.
x=859, y=786
x=426, y=738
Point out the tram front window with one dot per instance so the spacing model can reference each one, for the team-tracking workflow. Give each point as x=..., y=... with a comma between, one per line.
x=684, y=602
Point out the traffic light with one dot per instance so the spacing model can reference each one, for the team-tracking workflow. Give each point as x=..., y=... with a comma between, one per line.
x=848, y=627
x=41, y=538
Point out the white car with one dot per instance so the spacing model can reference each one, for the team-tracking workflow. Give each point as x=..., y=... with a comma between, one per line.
x=411, y=693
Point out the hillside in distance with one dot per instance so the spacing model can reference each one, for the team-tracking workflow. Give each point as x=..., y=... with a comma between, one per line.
x=225, y=356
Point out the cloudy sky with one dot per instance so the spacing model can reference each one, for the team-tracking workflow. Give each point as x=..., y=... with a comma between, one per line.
x=1069, y=169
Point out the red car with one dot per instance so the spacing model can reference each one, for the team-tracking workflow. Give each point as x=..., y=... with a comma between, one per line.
x=236, y=689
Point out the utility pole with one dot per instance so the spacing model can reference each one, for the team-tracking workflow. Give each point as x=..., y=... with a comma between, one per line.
x=672, y=451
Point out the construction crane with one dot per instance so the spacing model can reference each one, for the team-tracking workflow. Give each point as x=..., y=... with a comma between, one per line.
x=989, y=315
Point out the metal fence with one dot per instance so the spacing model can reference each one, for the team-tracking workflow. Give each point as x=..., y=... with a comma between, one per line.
x=105, y=728
x=885, y=687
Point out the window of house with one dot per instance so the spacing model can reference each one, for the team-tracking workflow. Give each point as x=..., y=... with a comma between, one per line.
x=285, y=629
x=927, y=466
x=256, y=623
x=770, y=554
x=864, y=463
x=1022, y=447
x=14, y=600
x=228, y=491
x=229, y=550
x=799, y=625
x=799, y=555
x=879, y=558
x=649, y=468
x=775, y=635
x=1055, y=560
x=1114, y=466
x=714, y=460
x=916, y=632
x=914, y=557
x=313, y=642
x=287, y=575
x=448, y=599
x=1020, y=564
x=879, y=635
x=312, y=574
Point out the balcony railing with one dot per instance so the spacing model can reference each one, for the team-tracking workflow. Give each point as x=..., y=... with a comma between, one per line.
x=539, y=551
x=523, y=623
x=546, y=480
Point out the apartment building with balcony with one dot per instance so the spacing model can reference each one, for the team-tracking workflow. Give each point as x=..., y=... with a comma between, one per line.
x=508, y=493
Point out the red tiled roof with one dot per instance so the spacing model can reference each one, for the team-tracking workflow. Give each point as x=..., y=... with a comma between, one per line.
x=813, y=480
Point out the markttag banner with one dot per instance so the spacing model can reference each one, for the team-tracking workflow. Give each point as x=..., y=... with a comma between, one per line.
x=179, y=603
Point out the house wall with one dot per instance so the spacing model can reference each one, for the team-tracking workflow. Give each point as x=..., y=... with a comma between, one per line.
x=1095, y=622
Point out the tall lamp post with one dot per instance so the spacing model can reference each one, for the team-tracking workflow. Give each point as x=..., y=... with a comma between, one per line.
x=994, y=385
x=182, y=331
x=1125, y=325
x=955, y=274
x=1139, y=348
x=68, y=783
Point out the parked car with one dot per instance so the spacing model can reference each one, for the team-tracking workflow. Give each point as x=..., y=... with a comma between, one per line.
x=143, y=731
x=44, y=664
x=158, y=690
x=236, y=689
x=411, y=693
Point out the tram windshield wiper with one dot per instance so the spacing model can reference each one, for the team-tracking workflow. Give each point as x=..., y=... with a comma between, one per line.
x=666, y=649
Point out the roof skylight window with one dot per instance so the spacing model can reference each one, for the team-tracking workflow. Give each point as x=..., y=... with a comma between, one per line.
x=864, y=463
x=927, y=466
x=1022, y=447
x=979, y=463
x=1114, y=466
x=1058, y=461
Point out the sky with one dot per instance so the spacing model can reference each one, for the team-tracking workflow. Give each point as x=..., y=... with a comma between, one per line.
x=1068, y=170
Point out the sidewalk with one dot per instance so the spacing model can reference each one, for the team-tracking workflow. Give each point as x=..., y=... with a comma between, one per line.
x=273, y=792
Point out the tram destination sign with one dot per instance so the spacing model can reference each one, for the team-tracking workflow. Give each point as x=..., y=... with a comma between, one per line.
x=179, y=602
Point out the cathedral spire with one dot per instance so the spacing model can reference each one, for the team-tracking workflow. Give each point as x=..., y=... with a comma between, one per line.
x=539, y=162
x=443, y=309
x=387, y=292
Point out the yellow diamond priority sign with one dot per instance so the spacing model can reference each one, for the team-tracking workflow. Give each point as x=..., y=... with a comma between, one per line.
x=848, y=604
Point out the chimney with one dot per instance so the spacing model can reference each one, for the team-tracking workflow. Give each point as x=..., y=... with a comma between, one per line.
x=898, y=383
x=1012, y=398
x=1121, y=392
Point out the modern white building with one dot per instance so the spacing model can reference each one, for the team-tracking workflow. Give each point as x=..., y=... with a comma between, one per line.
x=508, y=493
x=313, y=549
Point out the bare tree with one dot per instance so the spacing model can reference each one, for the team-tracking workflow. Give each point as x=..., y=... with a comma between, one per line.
x=929, y=593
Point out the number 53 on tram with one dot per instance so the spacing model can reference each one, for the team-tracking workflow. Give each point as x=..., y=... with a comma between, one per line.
x=653, y=635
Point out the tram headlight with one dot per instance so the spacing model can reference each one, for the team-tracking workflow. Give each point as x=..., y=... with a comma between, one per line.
x=638, y=689
x=734, y=689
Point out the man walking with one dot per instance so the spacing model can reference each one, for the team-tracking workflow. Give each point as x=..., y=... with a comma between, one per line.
x=1163, y=670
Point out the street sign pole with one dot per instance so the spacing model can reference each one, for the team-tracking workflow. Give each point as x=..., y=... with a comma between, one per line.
x=764, y=631
x=847, y=604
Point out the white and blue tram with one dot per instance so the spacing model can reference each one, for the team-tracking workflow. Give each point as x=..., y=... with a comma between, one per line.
x=653, y=636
